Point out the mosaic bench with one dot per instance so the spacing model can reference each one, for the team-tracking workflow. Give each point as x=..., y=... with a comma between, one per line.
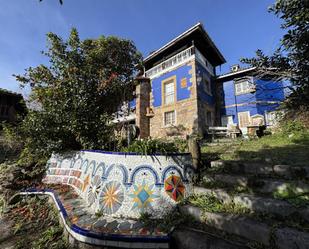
x=119, y=186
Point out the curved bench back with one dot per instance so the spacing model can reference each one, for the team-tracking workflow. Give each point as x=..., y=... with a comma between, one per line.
x=124, y=185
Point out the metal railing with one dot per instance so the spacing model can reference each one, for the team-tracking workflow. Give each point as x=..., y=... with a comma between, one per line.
x=171, y=62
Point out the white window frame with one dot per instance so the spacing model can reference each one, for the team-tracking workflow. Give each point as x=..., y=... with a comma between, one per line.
x=274, y=118
x=169, y=93
x=249, y=118
x=243, y=86
x=164, y=118
x=172, y=95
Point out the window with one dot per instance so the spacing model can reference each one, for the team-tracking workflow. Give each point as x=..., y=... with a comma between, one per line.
x=169, y=118
x=272, y=118
x=243, y=86
x=208, y=119
x=243, y=119
x=226, y=120
x=206, y=84
x=169, y=92
x=4, y=110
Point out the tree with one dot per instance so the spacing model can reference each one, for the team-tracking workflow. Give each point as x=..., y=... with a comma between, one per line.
x=291, y=60
x=77, y=93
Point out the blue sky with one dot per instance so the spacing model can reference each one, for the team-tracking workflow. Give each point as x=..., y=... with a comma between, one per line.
x=238, y=27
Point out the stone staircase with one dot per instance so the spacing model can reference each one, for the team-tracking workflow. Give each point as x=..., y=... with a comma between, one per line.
x=274, y=197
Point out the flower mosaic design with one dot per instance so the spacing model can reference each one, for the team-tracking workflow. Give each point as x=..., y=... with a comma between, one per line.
x=94, y=189
x=174, y=187
x=143, y=195
x=86, y=183
x=111, y=197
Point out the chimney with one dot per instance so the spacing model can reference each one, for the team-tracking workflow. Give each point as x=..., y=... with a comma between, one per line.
x=235, y=68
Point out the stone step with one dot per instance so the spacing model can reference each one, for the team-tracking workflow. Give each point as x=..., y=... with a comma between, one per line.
x=258, y=184
x=189, y=238
x=282, y=238
x=262, y=168
x=256, y=203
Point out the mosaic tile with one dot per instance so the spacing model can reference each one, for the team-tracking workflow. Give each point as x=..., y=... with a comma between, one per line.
x=124, y=185
x=112, y=225
x=99, y=224
x=174, y=187
x=111, y=197
x=125, y=225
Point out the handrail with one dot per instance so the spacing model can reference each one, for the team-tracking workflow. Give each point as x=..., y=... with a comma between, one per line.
x=173, y=61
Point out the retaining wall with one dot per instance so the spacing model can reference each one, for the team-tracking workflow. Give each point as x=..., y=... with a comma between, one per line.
x=125, y=184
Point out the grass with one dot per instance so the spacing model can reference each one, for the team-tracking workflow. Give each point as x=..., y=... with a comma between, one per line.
x=166, y=223
x=291, y=195
x=210, y=203
x=281, y=148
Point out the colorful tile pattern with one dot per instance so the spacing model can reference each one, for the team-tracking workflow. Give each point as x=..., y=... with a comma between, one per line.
x=143, y=195
x=174, y=187
x=124, y=185
x=111, y=197
x=94, y=189
x=82, y=221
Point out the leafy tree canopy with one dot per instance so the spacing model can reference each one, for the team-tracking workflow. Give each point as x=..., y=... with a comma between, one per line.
x=77, y=93
x=291, y=60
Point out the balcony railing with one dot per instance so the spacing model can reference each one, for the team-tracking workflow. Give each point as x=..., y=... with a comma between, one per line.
x=189, y=53
x=171, y=62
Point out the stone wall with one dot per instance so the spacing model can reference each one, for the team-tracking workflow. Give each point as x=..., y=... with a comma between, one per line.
x=186, y=110
x=124, y=185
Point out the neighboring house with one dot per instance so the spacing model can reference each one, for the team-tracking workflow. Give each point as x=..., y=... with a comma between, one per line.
x=247, y=99
x=180, y=93
x=10, y=105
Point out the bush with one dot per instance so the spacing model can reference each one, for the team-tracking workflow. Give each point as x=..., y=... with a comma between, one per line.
x=10, y=147
x=292, y=126
x=153, y=146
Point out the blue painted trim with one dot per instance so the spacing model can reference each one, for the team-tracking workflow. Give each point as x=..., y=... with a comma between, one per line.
x=122, y=168
x=134, y=153
x=170, y=168
x=103, y=236
x=144, y=167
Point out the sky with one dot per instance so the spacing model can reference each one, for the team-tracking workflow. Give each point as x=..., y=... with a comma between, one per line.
x=237, y=27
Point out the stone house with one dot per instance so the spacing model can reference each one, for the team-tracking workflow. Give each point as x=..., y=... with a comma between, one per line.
x=180, y=92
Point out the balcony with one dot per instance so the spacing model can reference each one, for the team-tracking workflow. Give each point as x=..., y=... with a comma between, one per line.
x=185, y=55
x=174, y=61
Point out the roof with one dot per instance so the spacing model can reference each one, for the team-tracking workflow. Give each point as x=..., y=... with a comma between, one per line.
x=231, y=75
x=201, y=39
x=8, y=92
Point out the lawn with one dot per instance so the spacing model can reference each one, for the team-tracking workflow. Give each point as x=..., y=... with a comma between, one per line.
x=292, y=149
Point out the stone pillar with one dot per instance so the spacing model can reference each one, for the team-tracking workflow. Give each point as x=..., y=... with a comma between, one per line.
x=142, y=104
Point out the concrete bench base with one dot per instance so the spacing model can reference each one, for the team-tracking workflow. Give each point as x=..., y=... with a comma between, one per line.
x=86, y=230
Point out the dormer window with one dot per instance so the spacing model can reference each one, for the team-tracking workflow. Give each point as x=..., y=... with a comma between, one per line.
x=243, y=86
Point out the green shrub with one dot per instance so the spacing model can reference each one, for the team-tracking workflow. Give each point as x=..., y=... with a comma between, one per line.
x=292, y=126
x=10, y=147
x=153, y=146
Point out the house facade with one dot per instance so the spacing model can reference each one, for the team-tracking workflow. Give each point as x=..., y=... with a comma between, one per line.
x=10, y=105
x=180, y=93
x=249, y=99
x=180, y=79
